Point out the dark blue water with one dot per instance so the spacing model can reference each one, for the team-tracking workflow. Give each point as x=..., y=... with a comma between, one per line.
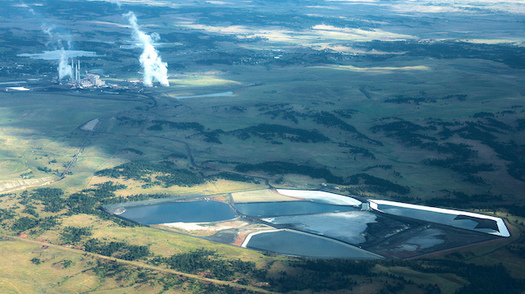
x=171, y=212
x=301, y=244
x=431, y=216
x=268, y=209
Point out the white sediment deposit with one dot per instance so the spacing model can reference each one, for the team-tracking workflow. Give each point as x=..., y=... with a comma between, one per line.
x=321, y=197
x=206, y=226
x=90, y=126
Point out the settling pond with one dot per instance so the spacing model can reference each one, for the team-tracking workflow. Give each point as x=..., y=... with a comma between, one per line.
x=288, y=242
x=269, y=209
x=301, y=244
x=324, y=225
x=186, y=212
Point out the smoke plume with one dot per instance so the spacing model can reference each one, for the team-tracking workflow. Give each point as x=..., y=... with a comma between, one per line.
x=56, y=40
x=149, y=59
x=64, y=69
x=117, y=2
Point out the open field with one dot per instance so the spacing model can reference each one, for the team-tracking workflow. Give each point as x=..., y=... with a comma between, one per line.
x=413, y=102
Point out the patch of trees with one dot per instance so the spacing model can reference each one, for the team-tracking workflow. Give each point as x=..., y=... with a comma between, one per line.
x=417, y=100
x=329, y=120
x=270, y=132
x=209, y=136
x=269, y=107
x=518, y=250
x=516, y=210
x=130, y=122
x=204, y=260
x=358, y=150
x=27, y=175
x=401, y=99
x=31, y=209
x=36, y=260
x=155, y=128
x=119, y=250
x=521, y=124
x=483, y=114
x=459, y=165
x=26, y=223
x=406, y=132
x=182, y=178
x=514, y=153
x=218, y=58
x=498, y=124
x=462, y=200
x=281, y=168
x=66, y=263
x=88, y=200
x=6, y=214
x=482, y=278
x=133, y=150
x=512, y=56
x=142, y=171
x=383, y=166
x=349, y=267
x=44, y=169
x=178, y=155
x=137, y=276
x=51, y=198
x=284, y=114
x=462, y=156
x=105, y=269
x=322, y=275
x=472, y=131
x=180, y=125
x=376, y=184
x=235, y=177
x=509, y=151
x=81, y=203
x=72, y=235
x=323, y=118
x=212, y=136
x=346, y=113
x=314, y=281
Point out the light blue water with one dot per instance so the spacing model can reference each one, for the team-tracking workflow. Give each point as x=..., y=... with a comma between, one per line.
x=344, y=226
x=269, y=209
x=301, y=244
x=171, y=212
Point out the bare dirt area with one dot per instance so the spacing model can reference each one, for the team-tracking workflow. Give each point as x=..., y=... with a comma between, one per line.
x=24, y=184
x=260, y=196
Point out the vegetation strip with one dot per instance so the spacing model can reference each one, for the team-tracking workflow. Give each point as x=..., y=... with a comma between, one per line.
x=142, y=265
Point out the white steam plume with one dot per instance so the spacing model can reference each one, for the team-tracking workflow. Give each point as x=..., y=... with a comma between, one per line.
x=55, y=40
x=149, y=59
x=117, y=2
x=64, y=69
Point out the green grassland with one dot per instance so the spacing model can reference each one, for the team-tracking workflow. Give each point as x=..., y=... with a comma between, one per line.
x=436, y=123
x=291, y=98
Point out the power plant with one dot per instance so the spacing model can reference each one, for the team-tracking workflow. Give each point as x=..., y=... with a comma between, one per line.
x=89, y=80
